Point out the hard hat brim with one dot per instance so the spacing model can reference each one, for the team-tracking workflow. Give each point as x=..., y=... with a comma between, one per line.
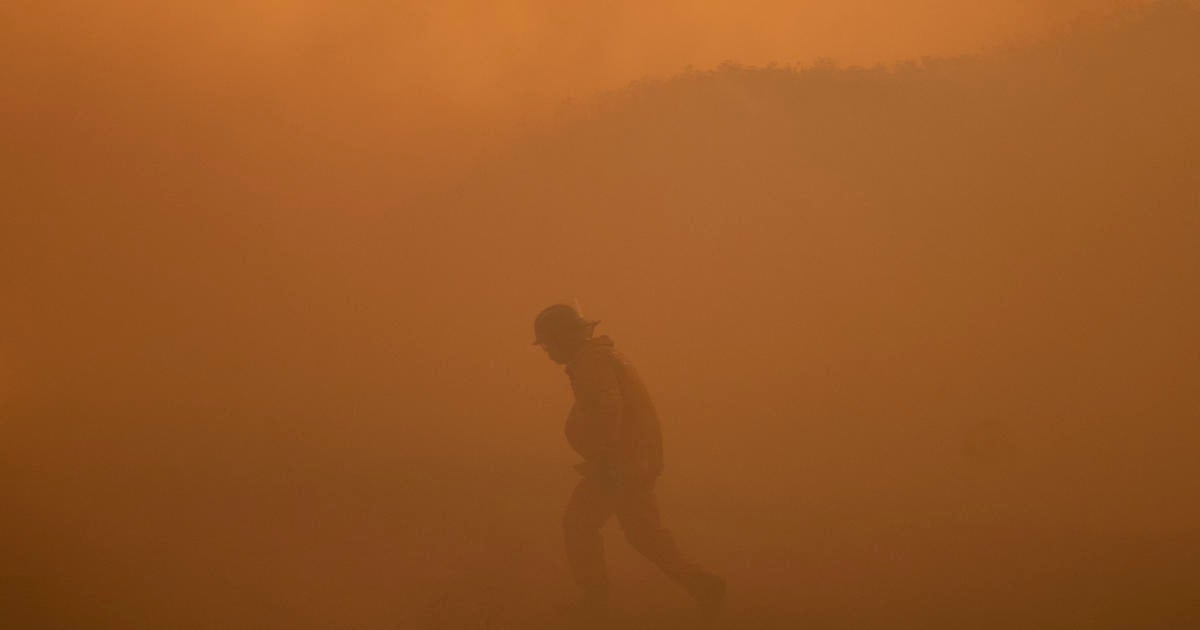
x=585, y=324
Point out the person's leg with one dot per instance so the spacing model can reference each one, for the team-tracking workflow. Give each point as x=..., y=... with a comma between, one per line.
x=637, y=510
x=589, y=507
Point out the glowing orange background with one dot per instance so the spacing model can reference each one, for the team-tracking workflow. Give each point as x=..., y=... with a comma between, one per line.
x=920, y=320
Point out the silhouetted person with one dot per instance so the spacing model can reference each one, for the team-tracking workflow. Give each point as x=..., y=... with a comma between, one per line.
x=614, y=427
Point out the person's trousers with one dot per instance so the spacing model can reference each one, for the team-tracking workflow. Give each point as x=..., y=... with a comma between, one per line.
x=636, y=508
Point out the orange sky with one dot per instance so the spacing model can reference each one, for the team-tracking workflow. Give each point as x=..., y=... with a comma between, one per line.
x=448, y=77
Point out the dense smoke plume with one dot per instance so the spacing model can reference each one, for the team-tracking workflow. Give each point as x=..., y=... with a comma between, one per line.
x=922, y=333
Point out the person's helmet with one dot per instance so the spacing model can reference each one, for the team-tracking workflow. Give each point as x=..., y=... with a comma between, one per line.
x=558, y=322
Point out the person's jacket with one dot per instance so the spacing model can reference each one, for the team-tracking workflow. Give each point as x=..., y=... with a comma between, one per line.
x=613, y=424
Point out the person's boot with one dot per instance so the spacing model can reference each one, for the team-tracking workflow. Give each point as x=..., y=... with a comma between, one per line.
x=709, y=593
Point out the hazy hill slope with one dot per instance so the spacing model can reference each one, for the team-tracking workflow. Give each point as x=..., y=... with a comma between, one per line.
x=1025, y=220
x=951, y=301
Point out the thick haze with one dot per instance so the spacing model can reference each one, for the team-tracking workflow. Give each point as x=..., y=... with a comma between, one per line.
x=922, y=333
x=479, y=53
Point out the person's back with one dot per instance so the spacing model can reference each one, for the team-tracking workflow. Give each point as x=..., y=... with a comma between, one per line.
x=639, y=437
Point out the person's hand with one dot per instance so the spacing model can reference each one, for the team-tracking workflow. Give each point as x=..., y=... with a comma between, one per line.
x=611, y=475
x=607, y=473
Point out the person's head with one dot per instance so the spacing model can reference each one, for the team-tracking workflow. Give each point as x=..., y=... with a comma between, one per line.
x=561, y=331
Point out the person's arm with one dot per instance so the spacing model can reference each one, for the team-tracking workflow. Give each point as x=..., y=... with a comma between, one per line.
x=598, y=407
